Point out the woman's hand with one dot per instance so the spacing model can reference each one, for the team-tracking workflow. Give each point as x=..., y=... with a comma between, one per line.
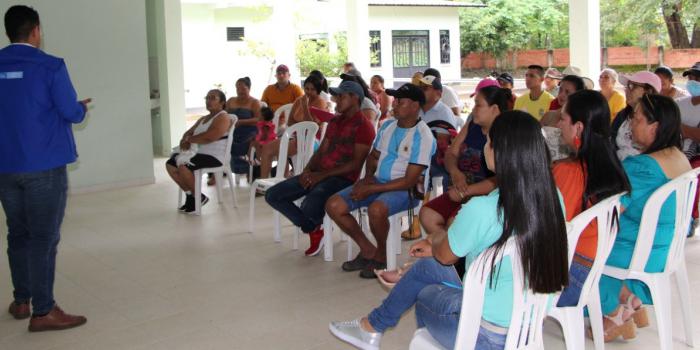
x=421, y=249
x=184, y=144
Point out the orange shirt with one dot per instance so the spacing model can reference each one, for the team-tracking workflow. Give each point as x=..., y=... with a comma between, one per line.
x=276, y=98
x=571, y=181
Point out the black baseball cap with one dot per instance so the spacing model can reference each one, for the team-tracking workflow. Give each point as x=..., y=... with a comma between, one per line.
x=409, y=91
x=506, y=77
x=694, y=70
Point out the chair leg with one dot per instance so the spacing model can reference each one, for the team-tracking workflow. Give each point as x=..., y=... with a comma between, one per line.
x=233, y=190
x=251, y=208
x=179, y=197
x=573, y=328
x=295, y=239
x=596, y=319
x=660, y=287
x=218, y=176
x=684, y=292
x=277, y=234
x=327, y=238
x=198, y=192
x=391, y=242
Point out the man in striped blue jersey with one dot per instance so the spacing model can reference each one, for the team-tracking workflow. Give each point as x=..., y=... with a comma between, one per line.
x=400, y=155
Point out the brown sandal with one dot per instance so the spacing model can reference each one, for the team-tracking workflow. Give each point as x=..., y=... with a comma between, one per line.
x=639, y=314
x=623, y=326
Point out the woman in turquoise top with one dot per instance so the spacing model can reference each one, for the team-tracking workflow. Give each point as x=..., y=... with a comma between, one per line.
x=517, y=152
x=656, y=127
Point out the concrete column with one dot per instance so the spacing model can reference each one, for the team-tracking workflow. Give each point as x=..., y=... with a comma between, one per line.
x=358, y=34
x=167, y=16
x=584, y=36
x=285, y=38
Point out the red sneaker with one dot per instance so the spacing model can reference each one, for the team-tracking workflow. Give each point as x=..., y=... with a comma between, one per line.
x=316, y=238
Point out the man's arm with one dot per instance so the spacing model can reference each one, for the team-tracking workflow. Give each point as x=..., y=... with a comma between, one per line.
x=413, y=173
x=64, y=97
x=358, y=157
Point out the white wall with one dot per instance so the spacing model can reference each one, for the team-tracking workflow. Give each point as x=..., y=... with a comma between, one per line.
x=433, y=19
x=104, y=46
x=209, y=59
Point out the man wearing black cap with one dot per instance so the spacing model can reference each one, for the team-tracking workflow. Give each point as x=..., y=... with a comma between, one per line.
x=335, y=166
x=400, y=155
x=283, y=91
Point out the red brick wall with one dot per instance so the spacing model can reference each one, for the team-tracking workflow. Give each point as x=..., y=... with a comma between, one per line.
x=617, y=56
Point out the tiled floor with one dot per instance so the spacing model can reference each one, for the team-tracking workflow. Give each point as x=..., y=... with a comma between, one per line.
x=148, y=277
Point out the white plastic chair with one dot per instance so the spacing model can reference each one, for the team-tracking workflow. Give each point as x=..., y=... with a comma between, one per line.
x=305, y=134
x=218, y=175
x=571, y=318
x=659, y=283
x=529, y=309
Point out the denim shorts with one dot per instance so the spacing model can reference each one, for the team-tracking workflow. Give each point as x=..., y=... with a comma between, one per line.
x=577, y=277
x=395, y=201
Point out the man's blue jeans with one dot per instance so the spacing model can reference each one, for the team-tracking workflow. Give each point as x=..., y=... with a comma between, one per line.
x=34, y=204
x=310, y=214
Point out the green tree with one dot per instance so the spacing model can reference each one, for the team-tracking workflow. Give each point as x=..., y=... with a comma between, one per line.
x=507, y=25
x=315, y=54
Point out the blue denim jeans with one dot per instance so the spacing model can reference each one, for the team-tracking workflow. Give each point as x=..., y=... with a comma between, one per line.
x=489, y=340
x=310, y=214
x=34, y=204
x=577, y=277
x=426, y=274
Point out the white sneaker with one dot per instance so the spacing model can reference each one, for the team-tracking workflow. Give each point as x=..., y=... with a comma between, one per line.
x=351, y=332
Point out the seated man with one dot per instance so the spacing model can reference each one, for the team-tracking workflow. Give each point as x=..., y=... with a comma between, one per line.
x=400, y=155
x=335, y=166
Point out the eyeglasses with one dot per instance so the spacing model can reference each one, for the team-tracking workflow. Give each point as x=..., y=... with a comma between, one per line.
x=646, y=96
x=632, y=85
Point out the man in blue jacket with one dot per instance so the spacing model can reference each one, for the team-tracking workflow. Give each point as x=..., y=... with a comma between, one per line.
x=38, y=104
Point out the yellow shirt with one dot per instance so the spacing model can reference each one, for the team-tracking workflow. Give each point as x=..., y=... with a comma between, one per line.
x=616, y=103
x=276, y=98
x=536, y=108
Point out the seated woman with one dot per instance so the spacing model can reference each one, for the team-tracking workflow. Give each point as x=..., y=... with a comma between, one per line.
x=636, y=85
x=567, y=86
x=208, y=137
x=377, y=85
x=300, y=112
x=616, y=100
x=656, y=128
x=466, y=165
x=590, y=175
x=515, y=150
x=247, y=109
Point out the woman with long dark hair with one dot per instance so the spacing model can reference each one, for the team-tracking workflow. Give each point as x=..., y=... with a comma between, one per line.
x=247, y=109
x=656, y=128
x=516, y=151
x=591, y=174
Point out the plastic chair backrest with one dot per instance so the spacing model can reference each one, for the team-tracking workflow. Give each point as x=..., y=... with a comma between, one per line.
x=305, y=134
x=276, y=119
x=229, y=140
x=529, y=309
x=606, y=213
x=684, y=188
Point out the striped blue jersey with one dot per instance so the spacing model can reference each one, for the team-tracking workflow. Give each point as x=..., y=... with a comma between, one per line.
x=399, y=147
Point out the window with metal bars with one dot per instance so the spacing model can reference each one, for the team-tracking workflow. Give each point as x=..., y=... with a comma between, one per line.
x=444, y=46
x=375, y=48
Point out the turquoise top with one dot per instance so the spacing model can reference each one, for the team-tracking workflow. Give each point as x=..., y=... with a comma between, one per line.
x=646, y=176
x=475, y=228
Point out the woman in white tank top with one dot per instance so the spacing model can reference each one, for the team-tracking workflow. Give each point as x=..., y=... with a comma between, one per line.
x=209, y=136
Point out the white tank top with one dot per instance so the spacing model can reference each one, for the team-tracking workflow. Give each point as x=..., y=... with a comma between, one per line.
x=216, y=149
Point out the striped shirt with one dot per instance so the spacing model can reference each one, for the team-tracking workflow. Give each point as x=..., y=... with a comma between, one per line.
x=399, y=147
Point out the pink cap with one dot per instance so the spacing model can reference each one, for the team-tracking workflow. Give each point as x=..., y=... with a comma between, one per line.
x=486, y=82
x=642, y=77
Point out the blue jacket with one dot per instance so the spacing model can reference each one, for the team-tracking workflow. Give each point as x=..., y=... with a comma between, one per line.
x=37, y=106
